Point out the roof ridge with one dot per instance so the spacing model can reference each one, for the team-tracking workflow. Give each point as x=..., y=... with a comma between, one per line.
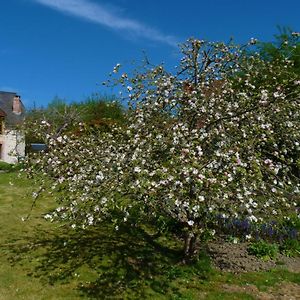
x=4, y=92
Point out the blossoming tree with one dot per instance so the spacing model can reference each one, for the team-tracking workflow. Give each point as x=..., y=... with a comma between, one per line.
x=218, y=139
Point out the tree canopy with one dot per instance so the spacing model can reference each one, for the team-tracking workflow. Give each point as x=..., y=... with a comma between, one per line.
x=219, y=139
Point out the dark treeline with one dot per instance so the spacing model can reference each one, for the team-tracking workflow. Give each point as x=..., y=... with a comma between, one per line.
x=96, y=112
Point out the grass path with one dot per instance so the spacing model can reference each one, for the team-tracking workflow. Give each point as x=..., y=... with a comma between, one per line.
x=40, y=260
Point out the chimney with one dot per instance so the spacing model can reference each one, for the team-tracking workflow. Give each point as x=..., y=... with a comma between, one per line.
x=17, y=105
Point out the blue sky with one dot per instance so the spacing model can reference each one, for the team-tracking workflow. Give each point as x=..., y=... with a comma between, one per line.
x=66, y=48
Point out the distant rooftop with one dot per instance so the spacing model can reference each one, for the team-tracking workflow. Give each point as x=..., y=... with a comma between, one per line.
x=12, y=108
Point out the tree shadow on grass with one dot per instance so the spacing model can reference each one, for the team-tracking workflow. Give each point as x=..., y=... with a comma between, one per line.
x=105, y=263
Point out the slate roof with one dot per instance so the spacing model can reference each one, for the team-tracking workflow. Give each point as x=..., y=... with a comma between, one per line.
x=6, y=106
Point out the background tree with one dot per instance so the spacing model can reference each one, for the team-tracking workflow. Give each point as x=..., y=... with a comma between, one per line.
x=95, y=112
x=285, y=46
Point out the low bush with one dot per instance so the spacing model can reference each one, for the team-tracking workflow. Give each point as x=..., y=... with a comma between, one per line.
x=290, y=247
x=5, y=166
x=263, y=250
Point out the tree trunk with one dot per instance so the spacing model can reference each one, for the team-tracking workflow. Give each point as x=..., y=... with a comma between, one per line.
x=191, y=246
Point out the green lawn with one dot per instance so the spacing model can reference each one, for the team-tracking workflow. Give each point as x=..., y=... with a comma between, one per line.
x=41, y=260
x=17, y=278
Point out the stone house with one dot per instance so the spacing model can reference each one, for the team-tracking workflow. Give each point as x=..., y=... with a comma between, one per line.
x=12, y=140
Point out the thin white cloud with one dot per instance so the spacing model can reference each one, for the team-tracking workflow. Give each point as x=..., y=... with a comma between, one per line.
x=97, y=13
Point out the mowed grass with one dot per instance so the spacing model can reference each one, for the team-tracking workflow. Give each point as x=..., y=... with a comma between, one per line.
x=42, y=260
x=15, y=205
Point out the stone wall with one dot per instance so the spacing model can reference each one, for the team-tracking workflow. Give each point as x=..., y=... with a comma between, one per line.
x=13, y=146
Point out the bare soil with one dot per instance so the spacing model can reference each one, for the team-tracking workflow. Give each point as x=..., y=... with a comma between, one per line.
x=229, y=257
x=235, y=258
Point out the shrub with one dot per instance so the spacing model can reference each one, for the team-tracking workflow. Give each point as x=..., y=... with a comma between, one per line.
x=263, y=250
x=5, y=166
x=290, y=247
